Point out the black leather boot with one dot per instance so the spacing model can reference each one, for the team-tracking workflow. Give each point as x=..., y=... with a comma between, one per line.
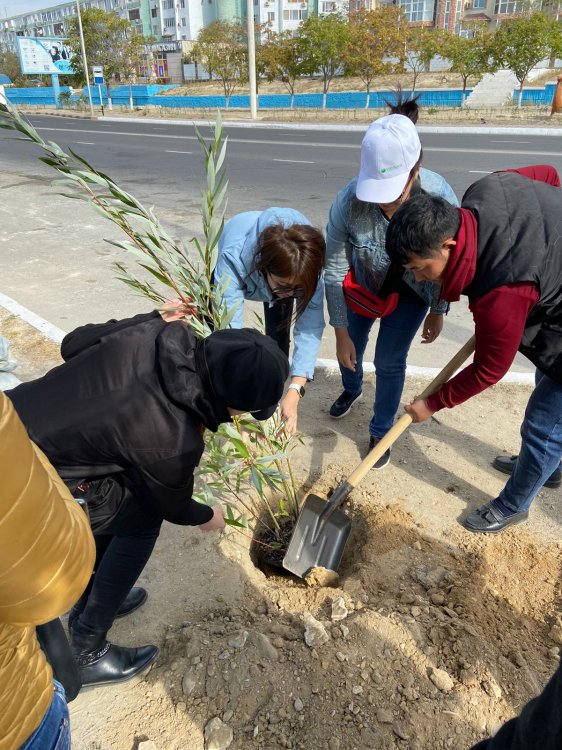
x=134, y=600
x=104, y=663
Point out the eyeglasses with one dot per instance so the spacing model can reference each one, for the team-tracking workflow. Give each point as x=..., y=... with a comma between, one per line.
x=287, y=291
x=283, y=290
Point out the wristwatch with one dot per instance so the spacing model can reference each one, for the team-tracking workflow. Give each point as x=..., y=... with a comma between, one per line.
x=298, y=388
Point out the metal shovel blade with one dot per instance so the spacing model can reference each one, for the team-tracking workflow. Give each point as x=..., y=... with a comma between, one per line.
x=314, y=547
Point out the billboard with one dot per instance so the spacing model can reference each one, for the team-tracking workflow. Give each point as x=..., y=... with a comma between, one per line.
x=44, y=55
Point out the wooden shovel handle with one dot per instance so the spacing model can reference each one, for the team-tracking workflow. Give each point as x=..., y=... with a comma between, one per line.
x=406, y=420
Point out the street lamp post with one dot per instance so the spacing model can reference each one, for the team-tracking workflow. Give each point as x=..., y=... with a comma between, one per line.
x=84, y=60
x=252, y=60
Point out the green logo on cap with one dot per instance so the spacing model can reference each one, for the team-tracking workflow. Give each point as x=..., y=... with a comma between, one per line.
x=387, y=169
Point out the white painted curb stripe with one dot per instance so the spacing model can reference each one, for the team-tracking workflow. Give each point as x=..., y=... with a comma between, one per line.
x=331, y=365
x=413, y=371
x=47, y=329
x=430, y=129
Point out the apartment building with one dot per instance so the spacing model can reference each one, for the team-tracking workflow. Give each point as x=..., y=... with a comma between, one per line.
x=492, y=12
x=50, y=21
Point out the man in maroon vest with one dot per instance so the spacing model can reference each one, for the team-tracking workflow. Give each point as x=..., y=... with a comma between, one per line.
x=503, y=249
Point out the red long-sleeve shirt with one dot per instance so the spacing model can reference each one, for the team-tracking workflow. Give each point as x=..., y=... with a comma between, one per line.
x=499, y=316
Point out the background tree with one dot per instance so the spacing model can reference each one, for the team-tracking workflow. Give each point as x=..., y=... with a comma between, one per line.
x=323, y=40
x=10, y=66
x=110, y=41
x=375, y=42
x=420, y=47
x=521, y=43
x=282, y=57
x=222, y=48
x=469, y=57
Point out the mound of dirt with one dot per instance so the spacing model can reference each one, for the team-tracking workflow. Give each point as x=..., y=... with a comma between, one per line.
x=422, y=643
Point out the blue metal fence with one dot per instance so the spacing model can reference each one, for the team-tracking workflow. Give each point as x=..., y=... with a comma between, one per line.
x=536, y=96
x=154, y=96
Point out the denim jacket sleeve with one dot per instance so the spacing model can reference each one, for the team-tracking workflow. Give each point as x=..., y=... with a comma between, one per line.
x=338, y=260
x=308, y=335
x=233, y=292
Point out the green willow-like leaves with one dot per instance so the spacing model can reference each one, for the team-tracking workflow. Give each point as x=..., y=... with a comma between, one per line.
x=247, y=462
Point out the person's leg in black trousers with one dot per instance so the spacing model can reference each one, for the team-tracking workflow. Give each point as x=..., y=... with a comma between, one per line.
x=121, y=557
x=120, y=560
x=278, y=319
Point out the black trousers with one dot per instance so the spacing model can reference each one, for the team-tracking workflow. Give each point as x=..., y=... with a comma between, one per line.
x=122, y=552
x=278, y=320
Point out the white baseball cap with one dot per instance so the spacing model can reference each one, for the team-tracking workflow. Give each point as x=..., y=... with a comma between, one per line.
x=390, y=149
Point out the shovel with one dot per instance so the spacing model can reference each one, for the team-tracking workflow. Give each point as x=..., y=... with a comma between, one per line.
x=321, y=531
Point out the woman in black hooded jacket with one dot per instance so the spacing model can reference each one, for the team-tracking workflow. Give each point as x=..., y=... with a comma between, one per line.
x=122, y=421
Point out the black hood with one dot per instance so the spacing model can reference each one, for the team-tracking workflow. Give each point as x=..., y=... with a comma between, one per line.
x=247, y=370
x=184, y=374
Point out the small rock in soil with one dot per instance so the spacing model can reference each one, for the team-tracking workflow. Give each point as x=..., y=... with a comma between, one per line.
x=384, y=716
x=147, y=745
x=218, y=735
x=299, y=705
x=189, y=682
x=400, y=730
x=339, y=610
x=315, y=633
x=322, y=577
x=266, y=649
x=430, y=577
x=441, y=679
x=238, y=640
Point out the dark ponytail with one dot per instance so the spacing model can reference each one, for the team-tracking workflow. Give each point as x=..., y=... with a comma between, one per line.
x=404, y=105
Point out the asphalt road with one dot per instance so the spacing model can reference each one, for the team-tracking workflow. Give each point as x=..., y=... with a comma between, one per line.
x=163, y=166
x=304, y=169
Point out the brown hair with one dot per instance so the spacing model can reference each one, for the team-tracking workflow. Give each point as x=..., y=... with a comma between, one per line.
x=294, y=252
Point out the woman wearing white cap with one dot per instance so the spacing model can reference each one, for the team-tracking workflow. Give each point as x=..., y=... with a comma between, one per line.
x=360, y=284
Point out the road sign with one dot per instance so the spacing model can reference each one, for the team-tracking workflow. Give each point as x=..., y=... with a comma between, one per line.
x=97, y=72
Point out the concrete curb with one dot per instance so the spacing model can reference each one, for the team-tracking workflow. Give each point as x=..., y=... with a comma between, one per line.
x=329, y=365
x=47, y=329
x=429, y=129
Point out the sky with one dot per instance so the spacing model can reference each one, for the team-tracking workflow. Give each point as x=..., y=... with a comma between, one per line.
x=15, y=7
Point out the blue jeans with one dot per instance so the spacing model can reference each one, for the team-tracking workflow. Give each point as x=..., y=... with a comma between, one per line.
x=54, y=731
x=396, y=332
x=541, y=445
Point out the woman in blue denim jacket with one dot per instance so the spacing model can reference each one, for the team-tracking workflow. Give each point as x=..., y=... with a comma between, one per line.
x=390, y=172
x=276, y=256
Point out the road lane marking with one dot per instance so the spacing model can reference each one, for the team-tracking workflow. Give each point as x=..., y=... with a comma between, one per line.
x=170, y=151
x=295, y=161
x=86, y=143
x=478, y=171
x=307, y=144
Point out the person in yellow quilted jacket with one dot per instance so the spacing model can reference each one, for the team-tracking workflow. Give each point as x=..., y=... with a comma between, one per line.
x=46, y=559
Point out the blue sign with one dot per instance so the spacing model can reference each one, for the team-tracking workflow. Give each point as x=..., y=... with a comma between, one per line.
x=97, y=72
